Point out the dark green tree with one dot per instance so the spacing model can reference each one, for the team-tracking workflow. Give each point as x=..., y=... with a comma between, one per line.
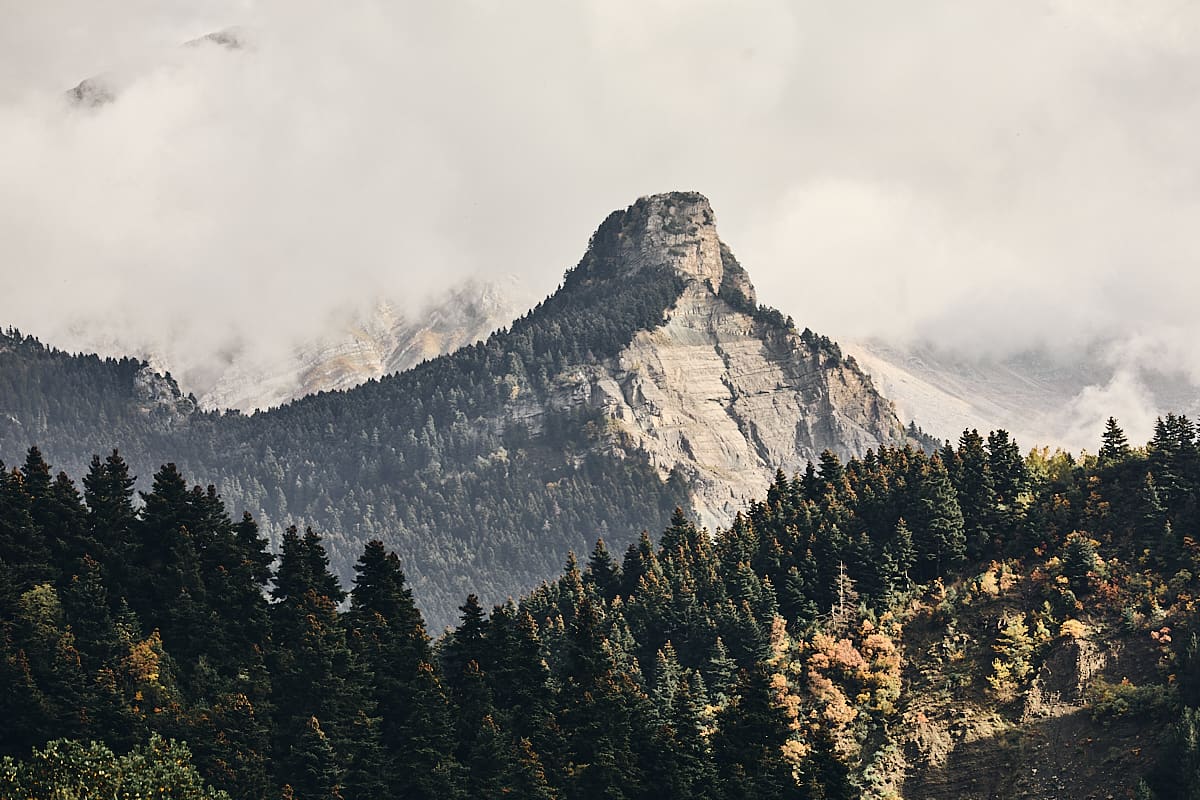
x=416, y=731
x=1114, y=447
x=939, y=540
x=602, y=572
x=748, y=745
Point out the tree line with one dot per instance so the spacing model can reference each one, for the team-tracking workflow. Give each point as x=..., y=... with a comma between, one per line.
x=760, y=661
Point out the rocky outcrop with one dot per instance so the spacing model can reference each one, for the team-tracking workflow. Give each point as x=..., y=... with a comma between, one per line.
x=726, y=400
x=157, y=396
x=723, y=393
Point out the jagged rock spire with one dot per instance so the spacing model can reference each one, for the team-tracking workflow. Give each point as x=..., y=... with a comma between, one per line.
x=676, y=230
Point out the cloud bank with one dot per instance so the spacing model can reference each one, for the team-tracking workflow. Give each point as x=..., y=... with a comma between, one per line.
x=993, y=176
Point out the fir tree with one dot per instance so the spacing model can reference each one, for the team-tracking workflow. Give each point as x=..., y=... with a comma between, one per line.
x=976, y=494
x=602, y=572
x=22, y=547
x=1080, y=562
x=316, y=774
x=748, y=745
x=938, y=535
x=1114, y=447
x=389, y=635
x=466, y=644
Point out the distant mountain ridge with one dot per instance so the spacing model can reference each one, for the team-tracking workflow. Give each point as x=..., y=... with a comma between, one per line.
x=383, y=341
x=650, y=379
x=1040, y=397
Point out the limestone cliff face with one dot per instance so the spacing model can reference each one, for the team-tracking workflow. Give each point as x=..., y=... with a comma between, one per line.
x=723, y=392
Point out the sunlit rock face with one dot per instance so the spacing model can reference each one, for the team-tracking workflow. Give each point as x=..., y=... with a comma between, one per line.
x=722, y=393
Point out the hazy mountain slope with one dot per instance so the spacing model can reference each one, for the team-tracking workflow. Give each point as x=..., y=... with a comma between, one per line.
x=367, y=346
x=1040, y=397
x=650, y=379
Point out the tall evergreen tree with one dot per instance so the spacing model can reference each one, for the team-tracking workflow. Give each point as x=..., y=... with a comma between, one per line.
x=938, y=535
x=976, y=494
x=389, y=635
x=22, y=547
x=748, y=745
x=603, y=572
x=466, y=644
x=602, y=710
x=108, y=491
x=314, y=672
x=1114, y=446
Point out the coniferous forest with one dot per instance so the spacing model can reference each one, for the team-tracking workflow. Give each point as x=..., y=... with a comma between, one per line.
x=151, y=645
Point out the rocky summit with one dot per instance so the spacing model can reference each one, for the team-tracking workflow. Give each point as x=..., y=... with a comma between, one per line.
x=724, y=391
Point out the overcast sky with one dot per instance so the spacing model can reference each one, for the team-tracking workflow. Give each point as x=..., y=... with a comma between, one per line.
x=989, y=175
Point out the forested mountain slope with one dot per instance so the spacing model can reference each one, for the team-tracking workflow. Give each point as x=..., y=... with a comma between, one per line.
x=967, y=624
x=651, y=379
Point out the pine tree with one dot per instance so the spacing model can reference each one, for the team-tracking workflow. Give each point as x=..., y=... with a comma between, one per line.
x=304, y=567
x=1010, y=480
x=519, y=679
x=167, y=508
x=602, y=710
x=900, y=556
x=465, y=645
x=86, y=608
x=64, y=521
x=314, y=672
x=316, y=774
x=640, y=560
x=938, y=535
x=108, y=492
x=1114, y=447
x=490, y=757
x=22, y=547
x=682, y=534
x=667, y=674
x=603, y=572
x=976, y=494
x=1080, y=562
x=830, y=470
x=42, y=506
x=316, y=562
x=795, y=598
x=681, y=762
x=390, y=639
x=36, y=474
x=748, y=745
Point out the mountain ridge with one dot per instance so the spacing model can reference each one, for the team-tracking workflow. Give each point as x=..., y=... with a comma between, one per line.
x=651, y=379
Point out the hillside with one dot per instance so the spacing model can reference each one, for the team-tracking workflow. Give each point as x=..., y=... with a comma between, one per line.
x=967, y=624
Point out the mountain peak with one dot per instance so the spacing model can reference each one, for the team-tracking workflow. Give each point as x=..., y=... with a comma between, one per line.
x=673, y=230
